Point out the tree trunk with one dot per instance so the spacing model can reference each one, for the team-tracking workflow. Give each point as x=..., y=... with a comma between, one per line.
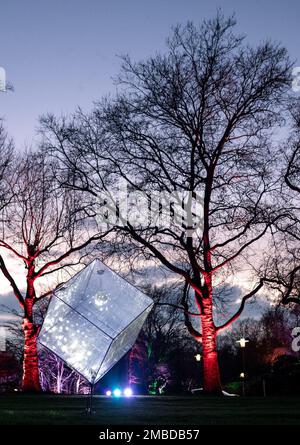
x=211, y=373
x=31, y=382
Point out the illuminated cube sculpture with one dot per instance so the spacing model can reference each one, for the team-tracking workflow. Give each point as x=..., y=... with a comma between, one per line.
x=93, y=320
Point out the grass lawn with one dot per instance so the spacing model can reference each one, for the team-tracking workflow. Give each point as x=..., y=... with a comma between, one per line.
x=69, y=410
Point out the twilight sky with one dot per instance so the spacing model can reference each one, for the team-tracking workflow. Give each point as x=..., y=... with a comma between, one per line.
x=59, y=54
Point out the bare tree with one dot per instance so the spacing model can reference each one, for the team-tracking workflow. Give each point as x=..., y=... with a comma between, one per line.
x=283, y=267
x=162, y=335
x=292, y=228
x=56, y=376
x=47, y=229
x=196, y=120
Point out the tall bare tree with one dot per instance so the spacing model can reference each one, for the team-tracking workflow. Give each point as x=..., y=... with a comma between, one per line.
x=283, y=267
x=162, y=334
x=292, y=229
x=47, y=229
x=198, y=119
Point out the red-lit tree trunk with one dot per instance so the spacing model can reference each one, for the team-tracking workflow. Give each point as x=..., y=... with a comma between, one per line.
x=204, y=301
x=211, y=373
x=31, y=381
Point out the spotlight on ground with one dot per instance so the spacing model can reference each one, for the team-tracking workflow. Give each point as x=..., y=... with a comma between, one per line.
x=128, y=392
x=117, y=392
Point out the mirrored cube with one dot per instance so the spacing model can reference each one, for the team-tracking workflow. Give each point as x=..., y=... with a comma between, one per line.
x=94, y=319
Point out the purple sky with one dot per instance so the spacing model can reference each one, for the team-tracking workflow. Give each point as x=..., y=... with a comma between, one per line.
x=59, y=54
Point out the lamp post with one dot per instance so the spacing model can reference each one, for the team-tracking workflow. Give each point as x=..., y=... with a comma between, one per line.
x=89, y=409
x=242, y=342
x=198, y=360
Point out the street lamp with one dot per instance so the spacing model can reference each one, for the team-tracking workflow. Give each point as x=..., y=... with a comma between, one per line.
x=242, y=342
x=198, y=367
